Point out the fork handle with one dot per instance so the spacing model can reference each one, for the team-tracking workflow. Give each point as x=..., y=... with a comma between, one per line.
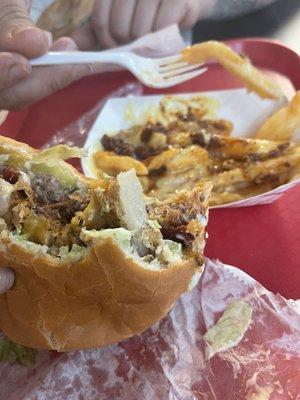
x=78, y=57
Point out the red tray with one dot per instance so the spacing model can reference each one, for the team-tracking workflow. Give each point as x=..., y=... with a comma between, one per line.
x=262, y=240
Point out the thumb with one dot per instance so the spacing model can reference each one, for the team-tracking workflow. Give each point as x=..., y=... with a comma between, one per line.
x=18, y=34
x=6, y=279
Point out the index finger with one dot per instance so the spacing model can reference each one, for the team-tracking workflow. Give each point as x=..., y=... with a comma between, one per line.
x=18, y=34
x=100, y=21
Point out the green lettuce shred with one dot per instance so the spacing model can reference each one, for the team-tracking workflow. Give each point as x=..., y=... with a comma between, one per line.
x=16, y=353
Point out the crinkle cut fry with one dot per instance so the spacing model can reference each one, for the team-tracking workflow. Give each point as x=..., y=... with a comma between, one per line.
x=282, y=125
x=258, y=170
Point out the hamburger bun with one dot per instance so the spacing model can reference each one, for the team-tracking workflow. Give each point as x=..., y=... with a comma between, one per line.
x=63, y=17
x=121, y=272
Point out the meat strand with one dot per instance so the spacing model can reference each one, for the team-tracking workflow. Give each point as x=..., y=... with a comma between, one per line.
x=177, y=234
x=55, y=201
x=10, y=174
x=118, y=145
x=48, y=189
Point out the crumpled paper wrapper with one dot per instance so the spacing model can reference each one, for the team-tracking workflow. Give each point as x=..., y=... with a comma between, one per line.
x=165, y=42
x=171, y=360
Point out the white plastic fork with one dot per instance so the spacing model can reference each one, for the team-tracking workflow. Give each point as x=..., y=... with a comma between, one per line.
x=153, y=72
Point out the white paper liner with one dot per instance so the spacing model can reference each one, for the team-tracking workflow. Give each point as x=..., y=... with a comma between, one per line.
x=246, y=110
x=170, y=362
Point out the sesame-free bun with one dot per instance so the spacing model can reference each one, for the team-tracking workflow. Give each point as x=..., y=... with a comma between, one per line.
x=100, y=300
x=63, y=17
x=104, y=298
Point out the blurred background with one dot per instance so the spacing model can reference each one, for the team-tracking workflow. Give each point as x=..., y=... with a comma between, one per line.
x=280, y=21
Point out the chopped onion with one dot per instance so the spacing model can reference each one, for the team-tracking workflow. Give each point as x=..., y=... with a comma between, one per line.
x=132, y=201
x=6, y=190
x=59, y=152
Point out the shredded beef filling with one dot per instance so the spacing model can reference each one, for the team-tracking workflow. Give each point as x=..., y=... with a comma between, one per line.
x=118, y=145
x=44, y=210
x=177, y=234
x=48, y=189
x=151, y=128
x=143, y=152
x=9, y=174
x=55, y=201
x=157, y=172
x=64, y=211
x=122, y=148
x=174, y=218
x=196, y=129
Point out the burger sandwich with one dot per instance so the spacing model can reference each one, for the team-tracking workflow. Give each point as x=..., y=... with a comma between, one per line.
x=95, y=261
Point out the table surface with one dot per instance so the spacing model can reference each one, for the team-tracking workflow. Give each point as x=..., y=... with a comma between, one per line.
x=280, y=21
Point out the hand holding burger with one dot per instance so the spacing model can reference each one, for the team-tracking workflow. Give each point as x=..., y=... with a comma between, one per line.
x=6, y=279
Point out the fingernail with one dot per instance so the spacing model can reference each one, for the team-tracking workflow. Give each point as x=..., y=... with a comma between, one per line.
x=17, y=72
x=71, y=45
x=49, y=37
x=37, y=32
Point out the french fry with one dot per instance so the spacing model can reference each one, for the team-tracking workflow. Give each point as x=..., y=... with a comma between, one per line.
x=239, y=67
x=112, y=164
x=190, y=151
x=219, y=198
x=240, y=148
x=180, y=139
x=295, y=169
x=276, y=171
x=162, y=159
x=170, y=182
x=228, y=180
x=281, y=167
x=222, y=198
x=192, y=157
x=282, y=125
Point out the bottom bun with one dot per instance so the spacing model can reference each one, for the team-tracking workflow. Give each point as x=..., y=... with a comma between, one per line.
x=100, y=300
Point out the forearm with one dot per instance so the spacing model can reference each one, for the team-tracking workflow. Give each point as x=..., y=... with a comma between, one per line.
x=224, y=9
